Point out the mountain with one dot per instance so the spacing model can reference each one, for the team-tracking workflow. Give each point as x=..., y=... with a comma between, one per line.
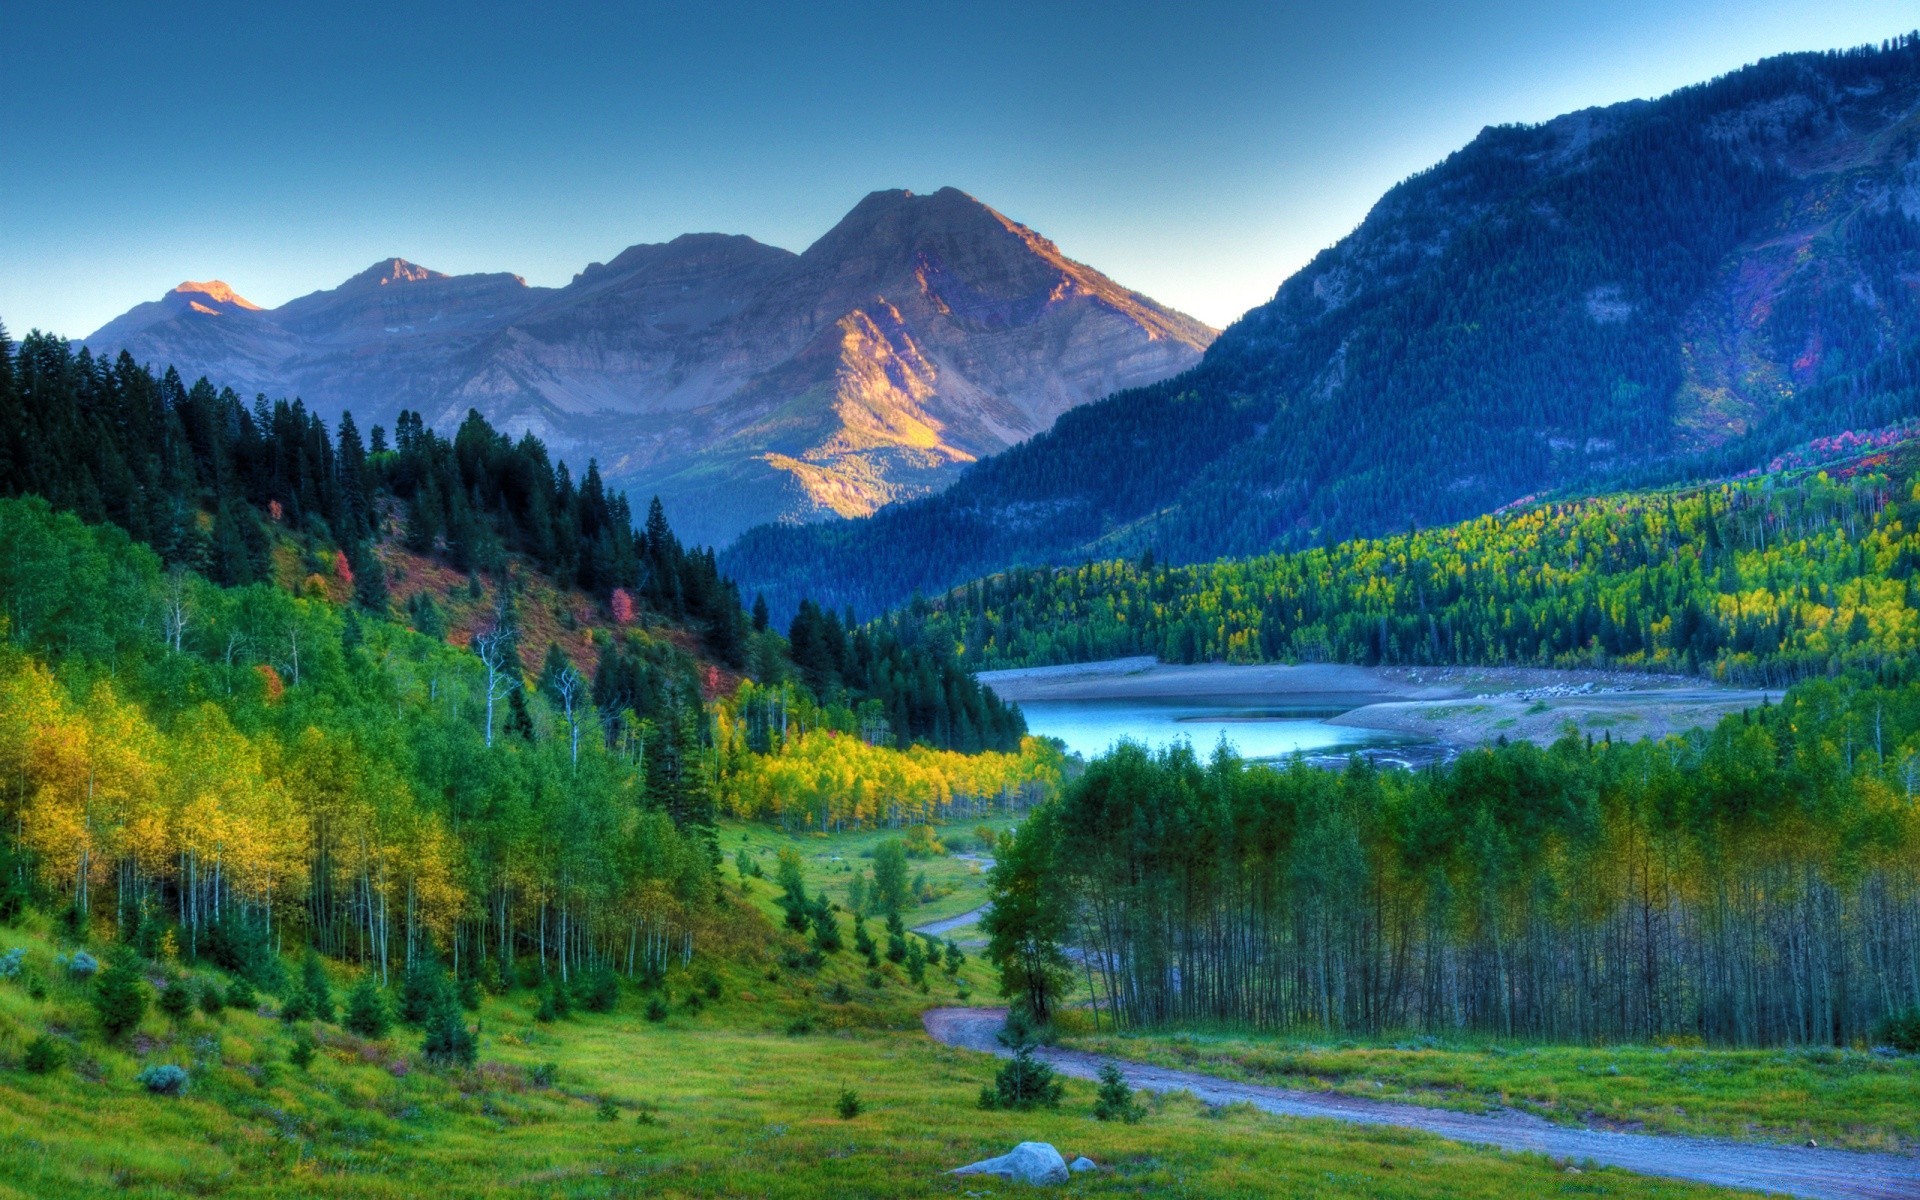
x=741, y=382
x=1635, y=293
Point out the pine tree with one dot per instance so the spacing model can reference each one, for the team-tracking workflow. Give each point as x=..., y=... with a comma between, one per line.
x=448, y=1041
x=313, y=981
x=120, y=996
x=367, y=1013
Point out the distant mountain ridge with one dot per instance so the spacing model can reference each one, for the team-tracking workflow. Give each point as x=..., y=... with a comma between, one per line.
x=740, y=381
x=1634, y=293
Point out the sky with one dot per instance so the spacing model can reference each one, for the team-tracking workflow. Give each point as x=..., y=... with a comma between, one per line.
x=1198, y=152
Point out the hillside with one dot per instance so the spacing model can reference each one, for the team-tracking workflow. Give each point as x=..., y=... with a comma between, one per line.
x=1803, y=570
x=1649, y=291
x=741, y=382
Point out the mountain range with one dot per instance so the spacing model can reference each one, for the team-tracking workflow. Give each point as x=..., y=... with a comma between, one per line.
x=1628, y=294
x=741, y=382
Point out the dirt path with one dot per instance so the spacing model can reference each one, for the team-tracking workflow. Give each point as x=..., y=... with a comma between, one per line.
x=1790, y=1170
x=944, y=927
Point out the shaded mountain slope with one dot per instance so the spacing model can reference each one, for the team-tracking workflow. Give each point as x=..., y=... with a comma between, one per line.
x=1628, y=293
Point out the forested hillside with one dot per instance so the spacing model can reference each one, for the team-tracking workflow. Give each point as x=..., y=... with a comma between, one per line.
x=215, y=727
x=1804, y=570
x=1645, y=292
x=241, y=493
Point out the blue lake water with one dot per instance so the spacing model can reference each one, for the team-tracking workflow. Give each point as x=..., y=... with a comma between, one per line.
x=1253, y=729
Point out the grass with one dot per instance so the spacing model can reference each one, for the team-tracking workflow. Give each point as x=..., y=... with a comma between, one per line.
x=737, y=1093
x=717, y=1102
x=1851, y=1098
x=833, y=860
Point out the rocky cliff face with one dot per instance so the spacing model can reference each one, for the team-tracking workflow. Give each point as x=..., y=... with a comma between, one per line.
x=742, y=382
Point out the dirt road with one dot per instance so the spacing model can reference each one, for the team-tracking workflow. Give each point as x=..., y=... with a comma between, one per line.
x=1795, y=1171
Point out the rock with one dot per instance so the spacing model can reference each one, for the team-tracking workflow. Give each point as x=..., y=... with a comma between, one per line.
x=1083, y=1163
x=1029, y=1162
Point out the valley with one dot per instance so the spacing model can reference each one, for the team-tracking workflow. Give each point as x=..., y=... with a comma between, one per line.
x=765, y=723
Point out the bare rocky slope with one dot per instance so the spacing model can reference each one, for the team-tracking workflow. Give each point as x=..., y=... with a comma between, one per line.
x=740, y=381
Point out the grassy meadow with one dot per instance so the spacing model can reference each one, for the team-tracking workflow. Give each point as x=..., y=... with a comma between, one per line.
x=735, y=1091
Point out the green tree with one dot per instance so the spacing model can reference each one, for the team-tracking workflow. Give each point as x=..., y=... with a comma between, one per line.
x=367, y=1013
x=120, y=995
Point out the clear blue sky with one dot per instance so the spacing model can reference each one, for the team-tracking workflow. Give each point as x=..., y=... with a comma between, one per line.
x=1197, y=151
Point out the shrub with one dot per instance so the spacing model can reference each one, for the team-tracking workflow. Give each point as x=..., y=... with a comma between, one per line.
x=848, y=1105
x=83, y=965
x=120, y=996
x=240, y=993
x=548, y=1012
x=164, y=1080
x=839, y=993
x=955, y=958
x=178, y=1000
x=1024, y=1083
x=470, y=993
x=1114, y=1100
x=921, y=842
x=301, y=1052
x=43, y=1056
x=656, y=1008
x=212, y=1000
x=1903, y=1031
x=800, y=1026
x=608, y=1110
x=367, y=1013
x=13, y=962
x=543, y=1075
x=600, y=991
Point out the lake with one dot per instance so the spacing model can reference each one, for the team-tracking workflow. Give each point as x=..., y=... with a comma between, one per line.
x=1268, y=711
x=1091, y=727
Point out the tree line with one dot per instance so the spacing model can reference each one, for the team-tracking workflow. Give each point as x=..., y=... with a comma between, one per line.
x=213, y=483
x=1763, y=579
x=1754, y=884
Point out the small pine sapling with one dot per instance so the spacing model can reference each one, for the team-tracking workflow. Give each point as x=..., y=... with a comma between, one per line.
x=848, y=1106
x=120, y=996
x=1114, y=1101
x=313, y=981
x=367, y=1013
x=177, y=1000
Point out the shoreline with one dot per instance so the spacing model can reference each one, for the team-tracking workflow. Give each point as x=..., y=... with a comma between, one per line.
x=1452, y=707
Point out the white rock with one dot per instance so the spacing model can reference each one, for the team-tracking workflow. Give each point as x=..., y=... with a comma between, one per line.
x=1083, y=1163
x=1029, y=1162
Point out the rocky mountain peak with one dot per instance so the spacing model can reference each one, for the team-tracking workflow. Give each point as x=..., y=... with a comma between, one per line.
x=213, y=292
x=394, y=271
